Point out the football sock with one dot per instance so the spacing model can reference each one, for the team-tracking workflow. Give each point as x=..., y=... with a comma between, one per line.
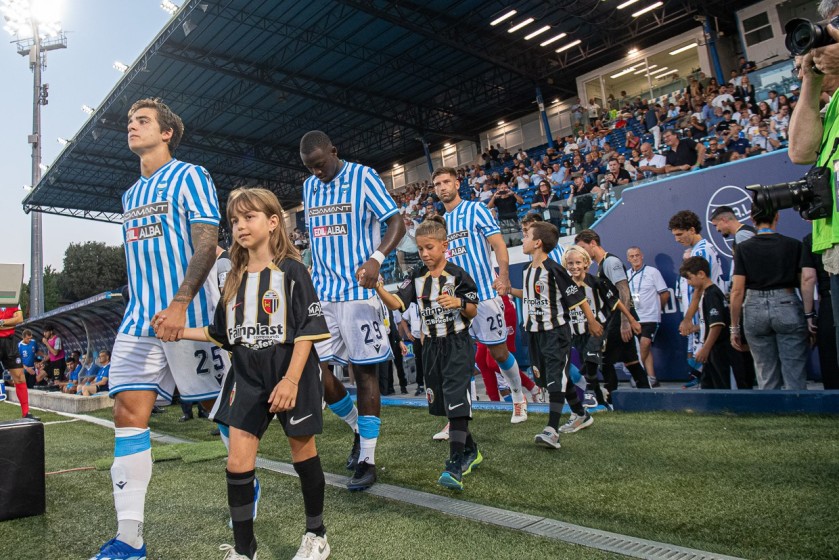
x=527, y=383
x=557, y=401
x=345, y=410
x=640, y=376
x=130, y=475
x=313, y=485
x=458, y=431
x=470, y=442
x=574, y=402
x=22, y=397
x=224, y=433
x=368, y=429
x=240, y=497
x=510, y=371
x=590, y=372
x=473, y=389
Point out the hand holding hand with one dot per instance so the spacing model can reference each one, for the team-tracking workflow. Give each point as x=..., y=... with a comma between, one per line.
x=368, y=274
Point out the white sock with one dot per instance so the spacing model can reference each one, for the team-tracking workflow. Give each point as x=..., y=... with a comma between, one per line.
x=130, y=475
x=512, y=376
x=351, y=418
x=368, y=450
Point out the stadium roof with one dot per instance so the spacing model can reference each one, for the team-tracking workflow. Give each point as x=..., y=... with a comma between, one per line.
x=250, y=77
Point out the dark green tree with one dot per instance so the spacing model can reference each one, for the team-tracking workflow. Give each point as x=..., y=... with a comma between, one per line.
x=91, y=268
x=52, y=293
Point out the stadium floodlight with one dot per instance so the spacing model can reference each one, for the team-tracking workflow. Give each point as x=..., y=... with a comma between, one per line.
x=447, y=145
x=169, y=7
x=553, y=39
x=537, y=32
x=23, y=16
x=639, y=72
x=569, y=45
x=63, y=141
x=683, y=49
x=632, y=52
x=88, y=109
x=649, y=8
x=627, y=3
x=43, y=166
x=500, y=123
x=623, y=72
x=555, y=101
x=521, y=24
x=120, y=66
x=396, y=166
x=503, y=17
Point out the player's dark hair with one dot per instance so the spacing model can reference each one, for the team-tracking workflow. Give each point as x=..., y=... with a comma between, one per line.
x=433, y=227
x=443, y=171
x=313, y=140
x=694, y=265
x=762, y=216
x=545, y=232
x=530, y=218
x=255, y=200
x=27, y=332
x=722, y=211
x=49, y=327
x=588, y=236
x=685, y=219
x=167, y=119
x=106, y=352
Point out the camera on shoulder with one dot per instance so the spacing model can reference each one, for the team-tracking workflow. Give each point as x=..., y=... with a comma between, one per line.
x=812, y=196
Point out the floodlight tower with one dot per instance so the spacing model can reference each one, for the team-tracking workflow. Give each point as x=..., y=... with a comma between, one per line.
x=36, y=29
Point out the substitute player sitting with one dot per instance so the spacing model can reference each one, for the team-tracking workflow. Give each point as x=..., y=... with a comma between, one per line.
x=448, y=301
x=548, y=295
x=269, y=318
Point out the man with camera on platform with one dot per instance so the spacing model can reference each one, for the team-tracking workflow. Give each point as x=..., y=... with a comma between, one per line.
x=811, y=141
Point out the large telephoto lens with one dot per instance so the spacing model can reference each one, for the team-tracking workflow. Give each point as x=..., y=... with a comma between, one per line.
x=802, y=36
x=772, y=198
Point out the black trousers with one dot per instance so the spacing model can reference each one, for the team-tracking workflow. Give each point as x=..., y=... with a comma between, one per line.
x=418, y=361
x=826, y=341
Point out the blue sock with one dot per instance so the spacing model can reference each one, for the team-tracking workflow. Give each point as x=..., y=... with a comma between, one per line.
x=368, y=429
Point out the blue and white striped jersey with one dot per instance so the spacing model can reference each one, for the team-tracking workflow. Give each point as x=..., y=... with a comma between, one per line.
x=344, y=218
x=469, y=225
x=157, y=214
x=707, y=251
x=556, y=254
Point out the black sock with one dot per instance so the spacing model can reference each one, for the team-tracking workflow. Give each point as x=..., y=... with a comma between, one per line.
x=313, y=485
x=240, y=497
x=574, y=402
x=458, y=430
x=590, y=372
x=640, y=375
x=556, y=402
x=470, y=443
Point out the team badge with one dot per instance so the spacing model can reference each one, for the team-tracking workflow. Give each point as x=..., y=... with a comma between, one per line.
x=270, y=302
x=429, y=395
x=448, y=289
x=541, y=287
x=535, y=372
x=232, y=395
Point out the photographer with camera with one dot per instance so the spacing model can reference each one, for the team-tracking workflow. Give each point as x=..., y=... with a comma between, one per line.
x=504, y=201
x=811, y=142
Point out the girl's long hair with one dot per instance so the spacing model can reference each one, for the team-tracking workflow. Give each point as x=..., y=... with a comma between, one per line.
x=256, y=200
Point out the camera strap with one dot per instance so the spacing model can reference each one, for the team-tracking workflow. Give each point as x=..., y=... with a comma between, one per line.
x=824, y=145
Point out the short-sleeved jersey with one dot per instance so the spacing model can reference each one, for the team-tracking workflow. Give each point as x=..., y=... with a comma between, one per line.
x=276, y=306
x=646, y=285
x=74, y=375
x=158, y=213
x=557, y=254
x=344, y=218
x=713, y=310
x=468, y=225
x=27, y=352
x=549, y=294
x=423, y=289
x=705, y=250
x=102, y=373
x=602, y=299
x=5, y=314
x=610, y=271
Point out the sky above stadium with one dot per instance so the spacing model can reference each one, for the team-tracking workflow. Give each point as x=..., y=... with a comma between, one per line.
x=99, y=32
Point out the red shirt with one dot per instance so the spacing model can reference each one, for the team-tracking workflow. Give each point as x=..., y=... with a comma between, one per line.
x=5, y=314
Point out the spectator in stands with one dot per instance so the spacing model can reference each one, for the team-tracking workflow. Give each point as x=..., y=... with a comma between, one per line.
x=684, y=154
x=780, y=121
x=522, y=179
x=746, y=66
x=742, y=113
x=772, y=101
x=583, y=206
x=615, y=176
x=494, y=155
x=673, y=113
x=820, y=324
x=544, y=196
x=538, y=174
x=764, y=140
x=607, y=153
x=484, y=196
x=100, y=383
x=716, y=117
x=697, y=128
x=591, y=166
x=734, y=78
x=578, y=112
x=577, y=165
x=794, y=90
x=725, y=123
x=570, y=145
x=649, y=296
x=695, y=88
x=55, y=365
x=766, y=274
x=715, y=154
x=631, y=142
x=724, y=99
x=505, y=202
x=407, y=251
x=651, y=164
x=635, y=157
x=651, y=124
x=745, y=91
x=764, y=111
x=558, y=174
x=521, y=156
x=734, y=140
x=593, y=110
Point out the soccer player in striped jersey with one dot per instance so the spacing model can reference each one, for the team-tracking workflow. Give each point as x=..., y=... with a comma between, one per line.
x=620, y=341
x=603, y=301
x=548, y=295
x=170, y=227
x=269, y=318
x=686, y=229
x=346, y=205
x=448, y=301
x=472, y=232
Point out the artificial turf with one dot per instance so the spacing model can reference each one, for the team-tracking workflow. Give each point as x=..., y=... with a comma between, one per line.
x=749, y=486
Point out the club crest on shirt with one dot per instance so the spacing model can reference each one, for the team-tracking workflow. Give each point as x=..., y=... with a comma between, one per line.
x=429, y=395
x=270, y=302
x=541, y=287
x=232, y=395
x=447, y=289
